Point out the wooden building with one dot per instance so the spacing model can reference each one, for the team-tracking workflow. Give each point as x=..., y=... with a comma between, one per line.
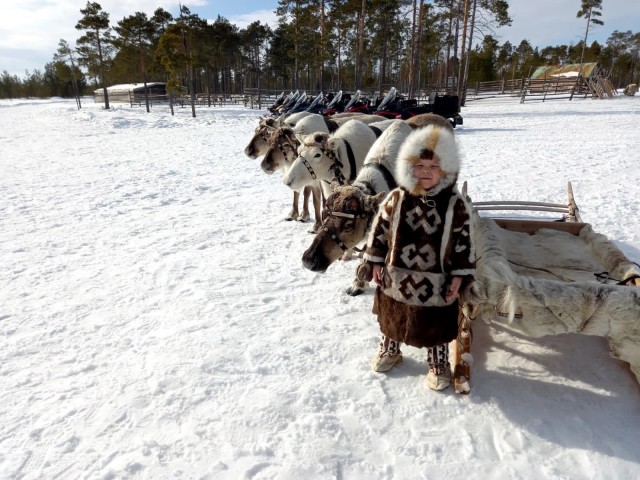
x=132, y=92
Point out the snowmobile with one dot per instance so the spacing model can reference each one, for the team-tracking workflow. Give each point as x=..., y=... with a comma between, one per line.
x=279, y=101
x=394, y=106
x=297, y=106
x=287, y=102
x=358, y=104
x=336, y=105
x=317, y=105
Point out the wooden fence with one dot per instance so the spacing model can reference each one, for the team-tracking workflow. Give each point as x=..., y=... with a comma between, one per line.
x=497, y=88
x=201, y=99
x=521, y=88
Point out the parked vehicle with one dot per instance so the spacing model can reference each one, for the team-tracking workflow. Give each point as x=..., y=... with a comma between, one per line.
x=334, y=103
x=394, y=106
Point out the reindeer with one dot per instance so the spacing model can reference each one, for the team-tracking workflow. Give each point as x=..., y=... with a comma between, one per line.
x=318, y=123
x=279, y=158
x=260, y=144
x=321, y=157
x=350, y=209
x=283, y=145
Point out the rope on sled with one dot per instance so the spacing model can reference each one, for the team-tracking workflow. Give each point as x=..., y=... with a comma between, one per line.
x=602, y=277
x=561, y=277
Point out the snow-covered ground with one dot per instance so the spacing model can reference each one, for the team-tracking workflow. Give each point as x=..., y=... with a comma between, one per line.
x=156, y=321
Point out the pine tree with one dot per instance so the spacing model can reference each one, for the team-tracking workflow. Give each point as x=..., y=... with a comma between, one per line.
x=590, y=9
x=135, y=33
x=94, y=46
x=64, y=52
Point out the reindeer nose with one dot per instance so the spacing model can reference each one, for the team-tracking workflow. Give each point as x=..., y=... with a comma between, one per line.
x=315, y=261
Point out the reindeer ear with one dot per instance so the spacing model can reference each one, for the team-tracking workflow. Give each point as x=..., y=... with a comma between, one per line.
x=332, y=143
x=371, y=202
x=291, y=137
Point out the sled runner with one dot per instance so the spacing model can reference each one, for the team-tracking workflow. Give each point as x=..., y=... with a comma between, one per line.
x=548, y=276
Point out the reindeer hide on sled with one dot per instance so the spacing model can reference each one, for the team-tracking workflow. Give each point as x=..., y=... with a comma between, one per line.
x=554, y=282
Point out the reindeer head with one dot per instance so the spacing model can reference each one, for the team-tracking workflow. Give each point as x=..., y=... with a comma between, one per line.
x=316, y=148
x=346, y=219
x=312, y=163
x=259, y=143
x=282, y=151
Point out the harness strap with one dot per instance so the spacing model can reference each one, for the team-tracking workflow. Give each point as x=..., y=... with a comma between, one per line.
x=384, y=171
x=376, y=131
x=339, y=176
x=283, y=144
x=352, y=162
x=332, y=125
x=306, y=164
x=630, y=280
x=337, y=165
x=342, y=214
x=336, y=239
x=602, y=277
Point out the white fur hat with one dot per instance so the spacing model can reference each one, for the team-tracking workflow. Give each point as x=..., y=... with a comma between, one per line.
x=443, y=144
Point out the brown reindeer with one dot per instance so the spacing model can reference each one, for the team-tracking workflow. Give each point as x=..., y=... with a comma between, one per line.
x=346, y=217
x=259, y=143
x=278, y=158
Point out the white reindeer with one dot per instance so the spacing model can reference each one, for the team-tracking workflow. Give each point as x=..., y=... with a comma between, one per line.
x=318, y=123
x=323, y=157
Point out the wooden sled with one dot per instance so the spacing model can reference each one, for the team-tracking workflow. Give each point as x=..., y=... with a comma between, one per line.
x=548, y=275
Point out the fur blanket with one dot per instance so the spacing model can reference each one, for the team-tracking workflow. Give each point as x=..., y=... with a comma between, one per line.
x=550, y=277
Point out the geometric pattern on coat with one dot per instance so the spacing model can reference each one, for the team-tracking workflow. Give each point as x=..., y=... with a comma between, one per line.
x=415, y=287
x=429, y=221
x=425, y=258
x=422, y=289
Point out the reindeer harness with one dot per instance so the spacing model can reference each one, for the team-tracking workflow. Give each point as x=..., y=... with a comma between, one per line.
x=336, y=165
x=284, y=143
x=360, y=213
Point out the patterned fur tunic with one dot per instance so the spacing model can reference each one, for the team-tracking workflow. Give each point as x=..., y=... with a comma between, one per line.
x=423, y=238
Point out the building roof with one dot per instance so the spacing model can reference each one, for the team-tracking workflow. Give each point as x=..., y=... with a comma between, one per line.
x=128, y=87
x=570, y=70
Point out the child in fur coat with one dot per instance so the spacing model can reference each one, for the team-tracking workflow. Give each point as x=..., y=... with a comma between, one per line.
x=420, y=252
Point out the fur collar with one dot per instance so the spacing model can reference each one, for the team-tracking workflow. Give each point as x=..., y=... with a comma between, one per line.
x=443, y=144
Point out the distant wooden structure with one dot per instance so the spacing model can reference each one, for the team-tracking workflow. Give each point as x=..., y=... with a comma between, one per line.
x=132, y=92
x=567, y=81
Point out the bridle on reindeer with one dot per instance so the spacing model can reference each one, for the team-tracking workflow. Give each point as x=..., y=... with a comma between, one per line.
x=265, y=131
x=336, y=165
x=360, y=213
x=284, y=140
x=365, y=211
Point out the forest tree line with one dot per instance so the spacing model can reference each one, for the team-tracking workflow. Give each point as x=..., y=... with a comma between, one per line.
x=317, y=45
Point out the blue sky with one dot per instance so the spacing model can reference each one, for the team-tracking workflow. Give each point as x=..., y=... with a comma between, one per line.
x=31, y=29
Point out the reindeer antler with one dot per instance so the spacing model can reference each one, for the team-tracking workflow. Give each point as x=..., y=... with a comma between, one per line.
x=371, y=202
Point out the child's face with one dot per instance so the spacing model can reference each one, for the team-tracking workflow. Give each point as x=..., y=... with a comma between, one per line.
x=427, y=172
